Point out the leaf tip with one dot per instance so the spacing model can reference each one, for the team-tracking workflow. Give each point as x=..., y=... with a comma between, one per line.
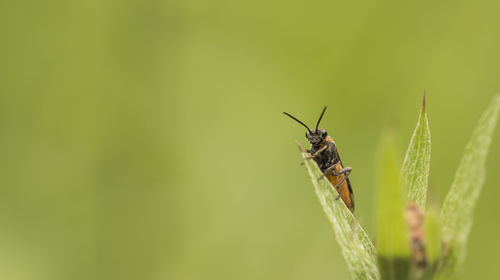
x=299, y=146
x=423, y=102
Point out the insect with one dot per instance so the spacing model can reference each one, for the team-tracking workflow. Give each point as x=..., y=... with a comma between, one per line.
x=324, y=151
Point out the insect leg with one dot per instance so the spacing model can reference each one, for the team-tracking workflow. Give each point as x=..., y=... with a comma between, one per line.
x=330, y=170
x=346, y=171
x=318, y=151
x=327, y=171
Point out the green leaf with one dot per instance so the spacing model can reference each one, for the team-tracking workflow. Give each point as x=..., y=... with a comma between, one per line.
x=432, y=240
x=456, y=214
x=391, y=228
x=415, y=169
x=357, y=248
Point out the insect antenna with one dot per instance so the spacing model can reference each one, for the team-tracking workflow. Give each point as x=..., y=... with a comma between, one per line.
x=298, y=121
x=324, y=109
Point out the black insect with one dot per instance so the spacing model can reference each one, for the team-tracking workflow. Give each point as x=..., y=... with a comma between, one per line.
x=324, y=151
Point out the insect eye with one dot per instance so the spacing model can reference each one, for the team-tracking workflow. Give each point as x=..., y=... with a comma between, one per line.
x=323, y=133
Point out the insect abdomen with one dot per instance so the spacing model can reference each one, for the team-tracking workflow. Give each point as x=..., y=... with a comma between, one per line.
x=343, y=190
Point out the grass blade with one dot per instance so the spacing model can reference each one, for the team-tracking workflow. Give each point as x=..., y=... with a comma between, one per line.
x=392, y=234
x=415, y=169
x=357, y=248
x=456, y=214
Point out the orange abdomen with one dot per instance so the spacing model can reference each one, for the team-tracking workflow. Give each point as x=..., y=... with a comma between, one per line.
x=344, y=189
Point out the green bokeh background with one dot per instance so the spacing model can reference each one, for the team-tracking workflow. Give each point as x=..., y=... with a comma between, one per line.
x=145, y=140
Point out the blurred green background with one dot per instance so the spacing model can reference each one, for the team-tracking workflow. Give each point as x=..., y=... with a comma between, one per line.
x=145, y=140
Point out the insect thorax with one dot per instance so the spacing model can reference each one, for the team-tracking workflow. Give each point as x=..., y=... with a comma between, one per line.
x=327, y=157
